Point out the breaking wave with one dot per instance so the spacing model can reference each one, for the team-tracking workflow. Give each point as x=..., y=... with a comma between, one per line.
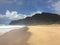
x=7, y=28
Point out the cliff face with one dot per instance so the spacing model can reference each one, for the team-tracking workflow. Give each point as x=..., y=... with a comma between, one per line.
x=44, y=18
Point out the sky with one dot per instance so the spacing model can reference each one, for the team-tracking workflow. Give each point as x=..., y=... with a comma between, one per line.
x=18, y=9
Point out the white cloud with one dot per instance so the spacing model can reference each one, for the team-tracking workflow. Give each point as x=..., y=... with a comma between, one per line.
x=14, y=15
x=35, y=13
x=10, y=16
x=56, y=7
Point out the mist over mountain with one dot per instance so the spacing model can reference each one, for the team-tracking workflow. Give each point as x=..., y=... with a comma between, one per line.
x=43, y=18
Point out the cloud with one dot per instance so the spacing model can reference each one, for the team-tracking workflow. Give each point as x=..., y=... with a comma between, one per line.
x=56, y=7
x=52, y=1
x=2, y=2
x=10, y=16
x=14, y=15
x=36, y=12
x=18, y=2
x=33, y=13
x=49, y=1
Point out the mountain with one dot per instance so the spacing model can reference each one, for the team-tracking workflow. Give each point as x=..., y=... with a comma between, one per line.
x=44, y=18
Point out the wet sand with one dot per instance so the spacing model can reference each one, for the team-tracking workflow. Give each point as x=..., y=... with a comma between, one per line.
x=32, y=35
x=15, y=37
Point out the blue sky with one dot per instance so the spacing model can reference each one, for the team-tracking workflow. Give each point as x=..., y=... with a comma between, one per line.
x=26, y=7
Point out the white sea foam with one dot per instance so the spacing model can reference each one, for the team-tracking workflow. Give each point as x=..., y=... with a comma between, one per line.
x=7, y=28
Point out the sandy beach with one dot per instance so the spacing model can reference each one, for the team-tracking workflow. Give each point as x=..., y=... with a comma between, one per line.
x=44, y=35
x=32, y=35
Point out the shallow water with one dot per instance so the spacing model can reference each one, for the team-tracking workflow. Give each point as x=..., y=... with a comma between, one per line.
x=7, y=28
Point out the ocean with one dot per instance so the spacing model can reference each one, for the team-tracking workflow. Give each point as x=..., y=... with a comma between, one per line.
x=7, y=28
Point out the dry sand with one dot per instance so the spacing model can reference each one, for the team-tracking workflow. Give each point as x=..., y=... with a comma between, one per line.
x=44, y=35
x=33, y=35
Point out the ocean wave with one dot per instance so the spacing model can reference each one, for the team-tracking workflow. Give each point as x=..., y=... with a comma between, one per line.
x=7, y=28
